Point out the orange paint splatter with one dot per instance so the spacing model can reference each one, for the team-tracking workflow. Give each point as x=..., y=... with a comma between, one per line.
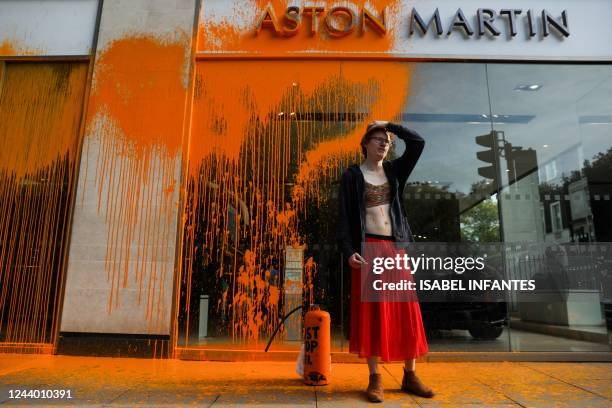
x=11, y=48
x=268, y=138
x=136, y=117
x=138, y=84
x=389, y=83
x=40, y=116
x=6, y=48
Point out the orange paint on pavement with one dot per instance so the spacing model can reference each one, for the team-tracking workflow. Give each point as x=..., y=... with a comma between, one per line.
x=138, y=381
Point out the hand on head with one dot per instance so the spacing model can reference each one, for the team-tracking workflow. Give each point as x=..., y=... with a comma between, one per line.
x=383, y=123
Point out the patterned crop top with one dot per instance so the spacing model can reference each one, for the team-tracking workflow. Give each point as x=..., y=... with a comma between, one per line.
x=377, y=194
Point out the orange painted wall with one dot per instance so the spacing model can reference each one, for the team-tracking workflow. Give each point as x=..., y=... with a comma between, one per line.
x=237, y=153
x=131, y=171
x=123, y=245
x=139, y=93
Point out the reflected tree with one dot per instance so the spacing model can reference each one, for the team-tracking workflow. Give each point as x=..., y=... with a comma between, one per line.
x=481, y=223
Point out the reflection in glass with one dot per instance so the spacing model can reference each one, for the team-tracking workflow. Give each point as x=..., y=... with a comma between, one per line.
x=448, y=199
x=556, y=197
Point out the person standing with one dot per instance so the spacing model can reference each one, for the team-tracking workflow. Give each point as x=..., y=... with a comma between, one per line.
x=371, y=211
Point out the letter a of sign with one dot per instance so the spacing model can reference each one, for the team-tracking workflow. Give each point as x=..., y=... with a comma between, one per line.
x=460, y=22
x=268, y=20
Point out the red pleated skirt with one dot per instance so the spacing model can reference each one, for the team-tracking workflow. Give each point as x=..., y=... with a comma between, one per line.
x=392, y=331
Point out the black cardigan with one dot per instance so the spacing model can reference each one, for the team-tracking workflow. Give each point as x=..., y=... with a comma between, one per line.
x=351, y=226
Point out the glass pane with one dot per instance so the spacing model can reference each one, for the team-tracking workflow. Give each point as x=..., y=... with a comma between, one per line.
x=555, y=126
x=448, y=198
x=269, y=142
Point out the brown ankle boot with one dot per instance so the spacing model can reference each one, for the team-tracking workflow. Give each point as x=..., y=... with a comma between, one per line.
x=412, y=385
x=375, y=391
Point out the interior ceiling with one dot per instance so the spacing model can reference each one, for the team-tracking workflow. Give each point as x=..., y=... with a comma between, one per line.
x=449, y=105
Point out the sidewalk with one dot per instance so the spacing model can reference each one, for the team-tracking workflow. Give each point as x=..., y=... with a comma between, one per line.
x=140, y=382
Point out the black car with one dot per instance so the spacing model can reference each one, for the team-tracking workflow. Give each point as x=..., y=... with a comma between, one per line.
x=484, y=321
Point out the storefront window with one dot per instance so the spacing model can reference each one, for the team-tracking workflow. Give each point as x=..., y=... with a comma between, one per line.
x=448, y=199
x=556, y=194
x=259, y=236
x=270, y=140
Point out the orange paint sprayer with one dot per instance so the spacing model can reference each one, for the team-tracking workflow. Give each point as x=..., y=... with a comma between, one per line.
x=317, y=344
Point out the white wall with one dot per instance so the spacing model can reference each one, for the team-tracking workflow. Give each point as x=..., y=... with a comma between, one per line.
x=50, y=27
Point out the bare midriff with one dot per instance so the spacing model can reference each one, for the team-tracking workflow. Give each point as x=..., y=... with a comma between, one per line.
x=378, y=220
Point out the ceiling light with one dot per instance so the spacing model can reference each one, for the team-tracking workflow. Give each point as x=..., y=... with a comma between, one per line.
x=528, y=87
x=595, y=120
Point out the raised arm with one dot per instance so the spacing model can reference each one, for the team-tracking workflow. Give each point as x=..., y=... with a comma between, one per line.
x=404, y=165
